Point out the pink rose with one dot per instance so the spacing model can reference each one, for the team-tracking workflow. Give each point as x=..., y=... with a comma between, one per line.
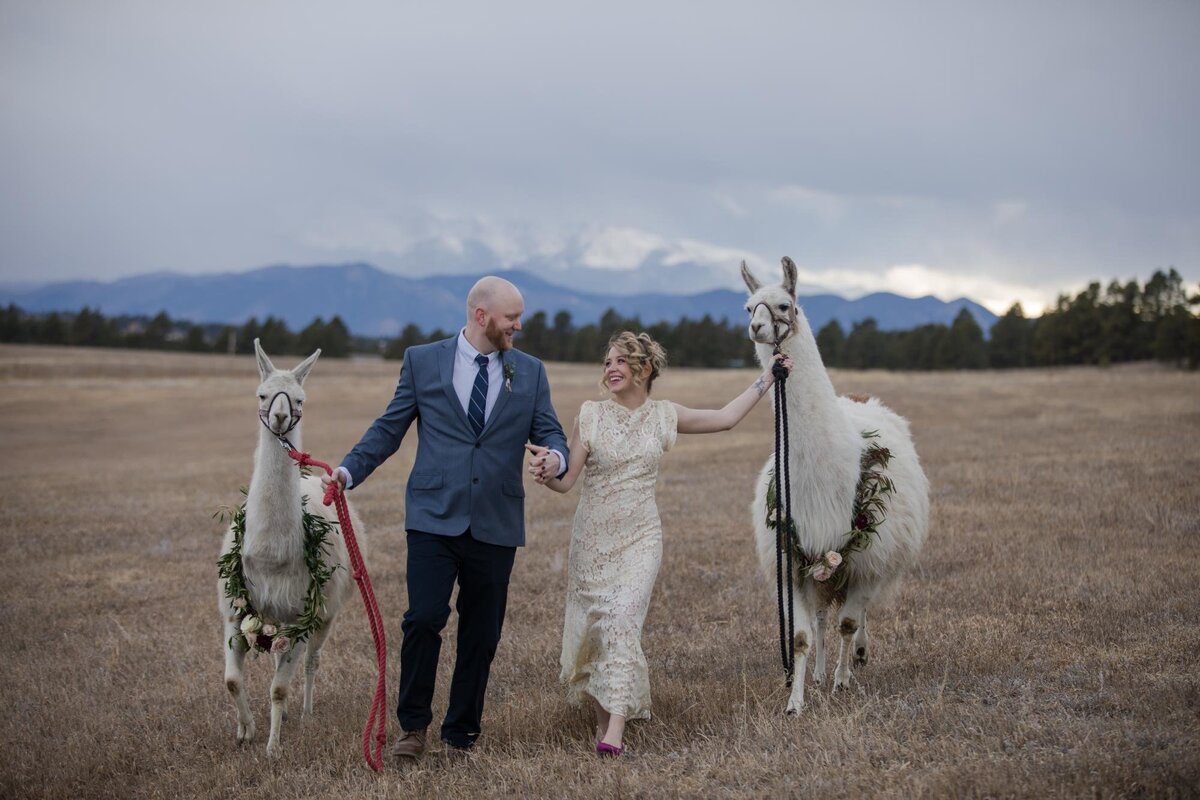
x=833, y=558
x=239, y=602
x=251, y=639
x=281, y=644
x=268, y=630
x=822, y=573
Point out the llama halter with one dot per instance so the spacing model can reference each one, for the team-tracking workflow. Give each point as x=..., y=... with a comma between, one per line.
x=292, y=412
x=776, y=320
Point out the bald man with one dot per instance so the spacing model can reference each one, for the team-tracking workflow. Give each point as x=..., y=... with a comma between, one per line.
x=476, y=402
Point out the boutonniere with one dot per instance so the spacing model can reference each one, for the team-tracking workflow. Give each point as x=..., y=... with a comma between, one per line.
x=509, y=371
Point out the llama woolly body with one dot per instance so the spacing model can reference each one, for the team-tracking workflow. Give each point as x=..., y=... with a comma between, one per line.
x=825, y=451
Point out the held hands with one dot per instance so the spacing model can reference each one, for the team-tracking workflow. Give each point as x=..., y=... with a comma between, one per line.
x=543, y=463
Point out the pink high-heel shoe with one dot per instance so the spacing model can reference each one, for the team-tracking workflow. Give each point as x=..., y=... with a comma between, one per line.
x=606, y=750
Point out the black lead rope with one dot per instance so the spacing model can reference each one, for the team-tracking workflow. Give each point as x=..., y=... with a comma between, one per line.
x=783, y=526
x=784, y=566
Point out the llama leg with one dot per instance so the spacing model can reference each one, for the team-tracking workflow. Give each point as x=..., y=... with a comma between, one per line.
x=235, y=679
x=312, y=663
x=803, y=638
x=285, y=668
x=819, y=650
x=850, y=616
x=860, y=641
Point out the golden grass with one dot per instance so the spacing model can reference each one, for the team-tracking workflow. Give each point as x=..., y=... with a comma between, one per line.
x=1047, y=646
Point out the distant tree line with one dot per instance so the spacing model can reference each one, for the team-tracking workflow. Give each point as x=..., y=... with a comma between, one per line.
x=1123, y=322
x=90, y=328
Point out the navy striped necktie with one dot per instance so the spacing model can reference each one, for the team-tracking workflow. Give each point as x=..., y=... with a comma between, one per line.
x=479, y=391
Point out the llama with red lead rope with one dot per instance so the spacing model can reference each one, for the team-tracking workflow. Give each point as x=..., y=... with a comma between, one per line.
x=859, y=498
x=284, y=571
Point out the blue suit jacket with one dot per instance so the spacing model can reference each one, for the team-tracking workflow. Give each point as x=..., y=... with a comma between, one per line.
x=461, y=481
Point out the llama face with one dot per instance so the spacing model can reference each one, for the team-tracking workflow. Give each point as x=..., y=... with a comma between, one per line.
x=774, y=315
x=281, y=393
x=280, y=402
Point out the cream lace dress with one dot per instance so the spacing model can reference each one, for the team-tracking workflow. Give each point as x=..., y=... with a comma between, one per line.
x=616, y=547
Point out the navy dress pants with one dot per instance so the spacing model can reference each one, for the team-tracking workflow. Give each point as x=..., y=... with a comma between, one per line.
x=482, y=571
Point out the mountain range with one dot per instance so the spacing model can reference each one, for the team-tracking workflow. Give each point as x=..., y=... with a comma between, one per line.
x=376, y=303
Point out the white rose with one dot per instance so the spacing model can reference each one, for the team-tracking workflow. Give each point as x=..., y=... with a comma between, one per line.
x=251, y=624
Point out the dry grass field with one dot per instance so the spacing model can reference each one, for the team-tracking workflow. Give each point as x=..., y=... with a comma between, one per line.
x=1046, y=647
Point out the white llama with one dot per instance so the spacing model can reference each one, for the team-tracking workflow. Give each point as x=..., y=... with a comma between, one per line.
x=273, y=548
x=826, y=446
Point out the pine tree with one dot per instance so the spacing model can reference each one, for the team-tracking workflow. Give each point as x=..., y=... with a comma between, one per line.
x=964, y=343
x=831, y=343
x=1011, y=344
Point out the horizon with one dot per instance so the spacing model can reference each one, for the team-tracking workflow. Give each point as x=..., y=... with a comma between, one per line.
x=564, y=282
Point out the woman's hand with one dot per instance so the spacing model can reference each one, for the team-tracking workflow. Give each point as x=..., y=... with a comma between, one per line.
x=537, y=464
x=779, y=358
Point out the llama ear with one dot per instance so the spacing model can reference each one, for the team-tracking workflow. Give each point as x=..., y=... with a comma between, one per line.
x=752, y=283
x=265, y=367
x=789, y=276
x=302, y=369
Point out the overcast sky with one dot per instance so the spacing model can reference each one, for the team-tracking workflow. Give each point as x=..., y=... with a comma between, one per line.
x=1002, y=151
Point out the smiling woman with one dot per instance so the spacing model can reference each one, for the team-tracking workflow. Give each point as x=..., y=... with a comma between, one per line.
x=616, y=539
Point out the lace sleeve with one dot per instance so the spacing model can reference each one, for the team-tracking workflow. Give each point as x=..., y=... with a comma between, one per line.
x=587, y=424
x=669, y=422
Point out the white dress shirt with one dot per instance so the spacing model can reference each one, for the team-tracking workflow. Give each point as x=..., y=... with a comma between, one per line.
x=465, y=370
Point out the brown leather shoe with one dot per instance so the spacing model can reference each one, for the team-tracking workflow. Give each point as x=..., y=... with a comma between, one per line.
x=411, y=744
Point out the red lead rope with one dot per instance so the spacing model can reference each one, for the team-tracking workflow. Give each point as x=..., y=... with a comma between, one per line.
x=377, y=719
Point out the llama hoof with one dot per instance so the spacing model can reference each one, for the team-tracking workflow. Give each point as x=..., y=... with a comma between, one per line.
x=818, y=679
x=841, y=680
x=860, y=657
x=792, y=710
x=245, y=733
x=274, y=750
x=285, y=715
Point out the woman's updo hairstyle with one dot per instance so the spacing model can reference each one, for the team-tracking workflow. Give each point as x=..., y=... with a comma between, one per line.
x=639, y=350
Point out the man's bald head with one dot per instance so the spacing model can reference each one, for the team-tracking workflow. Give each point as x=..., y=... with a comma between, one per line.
x=494, y=309
x=489, y=291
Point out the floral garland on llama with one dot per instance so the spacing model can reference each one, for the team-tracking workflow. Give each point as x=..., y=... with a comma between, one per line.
x=870, y=510
x=259, y=633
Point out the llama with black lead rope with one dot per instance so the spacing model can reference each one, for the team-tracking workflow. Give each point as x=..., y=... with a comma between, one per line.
x=859, y=500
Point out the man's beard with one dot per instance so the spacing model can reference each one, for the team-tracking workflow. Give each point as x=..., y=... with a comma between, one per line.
x=496, y=336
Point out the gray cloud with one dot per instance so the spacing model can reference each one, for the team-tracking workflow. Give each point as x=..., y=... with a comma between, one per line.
x=1033, y=145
